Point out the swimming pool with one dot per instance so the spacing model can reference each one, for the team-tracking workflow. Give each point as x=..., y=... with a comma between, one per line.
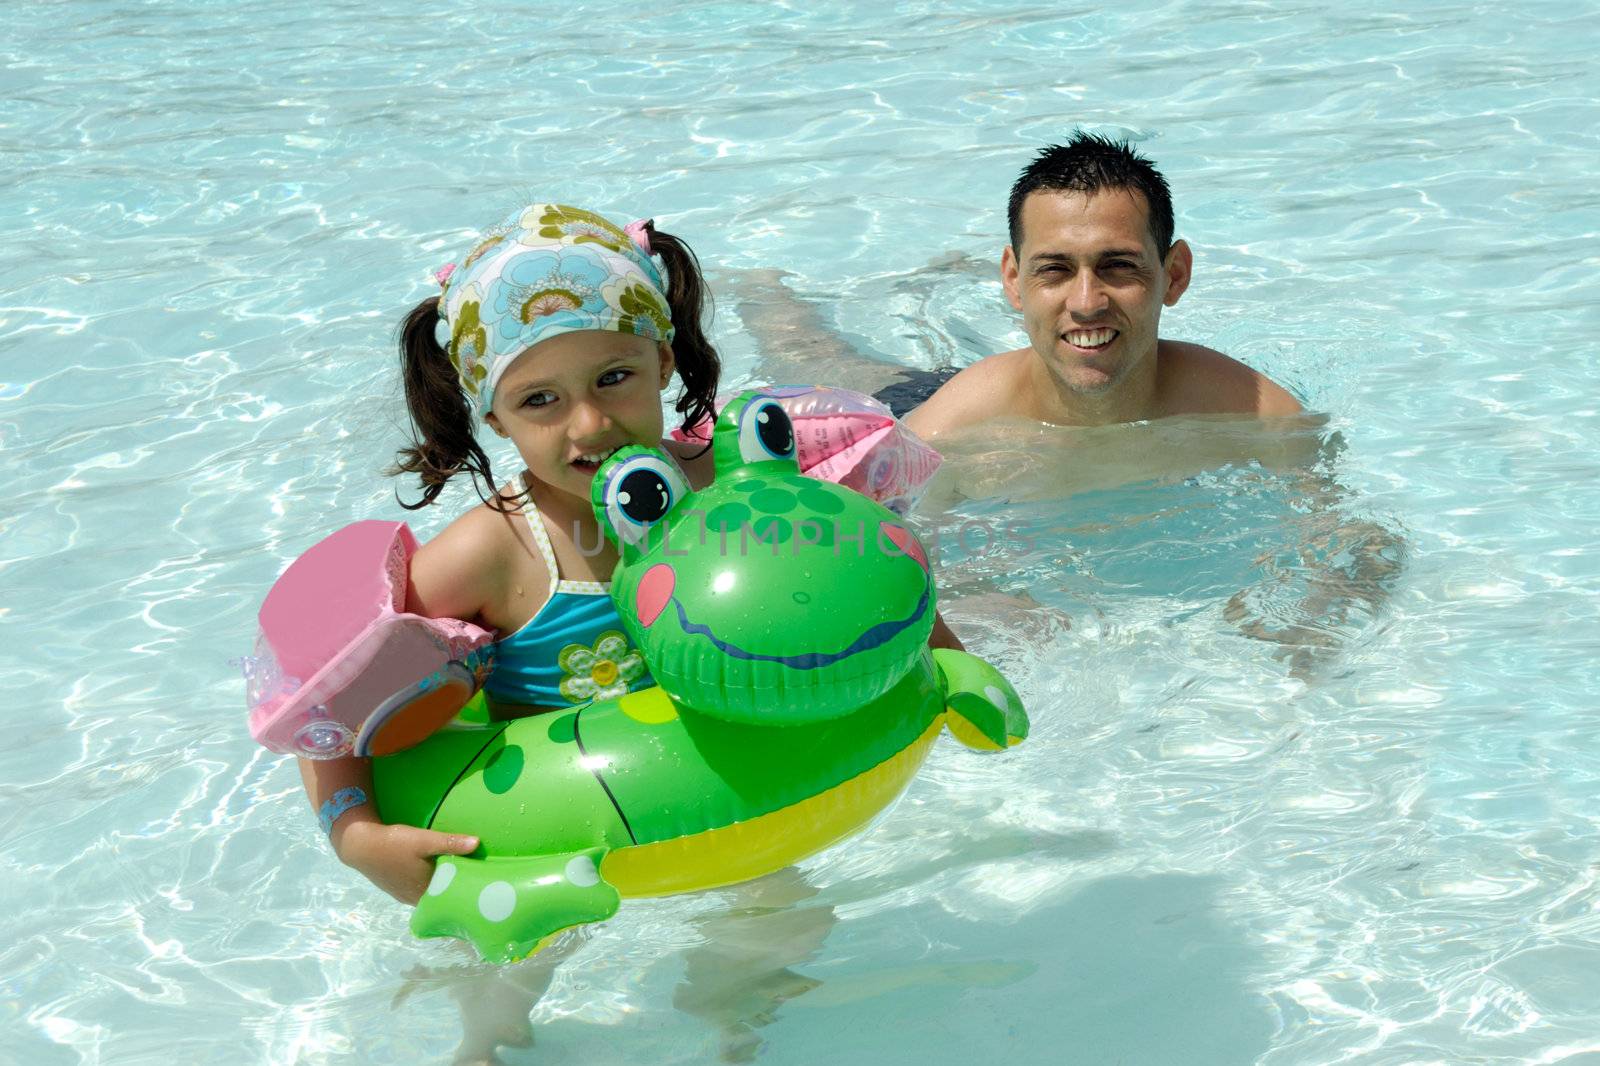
x=1268, y=814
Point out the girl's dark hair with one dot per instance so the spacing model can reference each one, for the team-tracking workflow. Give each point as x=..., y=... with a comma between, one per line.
x=697, y=362
x=443, y=444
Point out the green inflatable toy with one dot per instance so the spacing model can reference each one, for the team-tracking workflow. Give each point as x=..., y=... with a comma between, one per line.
x=785, y=622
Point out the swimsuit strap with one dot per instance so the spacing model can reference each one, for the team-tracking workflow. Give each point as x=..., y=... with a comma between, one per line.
x=542, y=539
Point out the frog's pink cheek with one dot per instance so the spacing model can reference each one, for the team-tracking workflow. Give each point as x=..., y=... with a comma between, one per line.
x=655, y=590
x=905, y=542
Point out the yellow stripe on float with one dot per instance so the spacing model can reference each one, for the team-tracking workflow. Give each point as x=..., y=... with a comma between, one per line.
x=738, y=852
x=969, y=734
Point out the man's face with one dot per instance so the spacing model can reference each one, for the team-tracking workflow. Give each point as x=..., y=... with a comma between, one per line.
x=1089, y=285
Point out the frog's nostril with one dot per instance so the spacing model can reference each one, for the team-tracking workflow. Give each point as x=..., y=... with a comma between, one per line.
x=655, y=590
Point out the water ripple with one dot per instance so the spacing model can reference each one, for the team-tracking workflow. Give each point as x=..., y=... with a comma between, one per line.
x=1313, y=763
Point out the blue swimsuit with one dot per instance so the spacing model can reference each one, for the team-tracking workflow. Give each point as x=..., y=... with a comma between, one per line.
x=573, y=650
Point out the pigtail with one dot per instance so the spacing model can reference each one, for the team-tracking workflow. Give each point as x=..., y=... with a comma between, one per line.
x=697, y=362
x=442, y=442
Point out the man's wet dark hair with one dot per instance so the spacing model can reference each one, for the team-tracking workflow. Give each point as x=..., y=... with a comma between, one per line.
x=1087, y=164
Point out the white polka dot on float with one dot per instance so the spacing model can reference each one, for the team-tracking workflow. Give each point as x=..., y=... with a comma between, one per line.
x=443, y=874
x=582, y=872
x=497, y=901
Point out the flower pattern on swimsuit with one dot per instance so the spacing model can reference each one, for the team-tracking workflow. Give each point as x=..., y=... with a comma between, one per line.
x=601, y=672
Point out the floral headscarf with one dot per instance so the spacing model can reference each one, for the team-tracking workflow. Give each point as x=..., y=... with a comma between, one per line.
x=548, y=269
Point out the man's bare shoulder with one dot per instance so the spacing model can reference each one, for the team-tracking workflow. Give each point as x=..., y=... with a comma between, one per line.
x=1196, y=380
x=986, y=389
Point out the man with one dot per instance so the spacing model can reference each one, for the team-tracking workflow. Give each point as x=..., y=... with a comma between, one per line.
x=1090, y=265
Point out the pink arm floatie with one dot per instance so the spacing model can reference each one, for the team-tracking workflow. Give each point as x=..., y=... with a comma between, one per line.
x=850, y=439
x=340, y=667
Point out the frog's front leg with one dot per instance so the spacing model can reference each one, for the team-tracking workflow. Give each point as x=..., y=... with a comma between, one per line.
x=509, y=906
x=986, y=713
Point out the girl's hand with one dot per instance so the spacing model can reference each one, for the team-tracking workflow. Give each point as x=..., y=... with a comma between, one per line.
x=396, y=858
x=943, y=636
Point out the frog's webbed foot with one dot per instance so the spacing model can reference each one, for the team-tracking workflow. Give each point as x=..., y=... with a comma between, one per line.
x=508, y=907
x=985, y=711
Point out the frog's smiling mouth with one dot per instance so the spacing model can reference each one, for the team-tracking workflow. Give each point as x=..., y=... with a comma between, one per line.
x=657, y=585
x=875, y=636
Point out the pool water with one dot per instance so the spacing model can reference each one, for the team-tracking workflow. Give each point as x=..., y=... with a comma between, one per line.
x=1315, y=767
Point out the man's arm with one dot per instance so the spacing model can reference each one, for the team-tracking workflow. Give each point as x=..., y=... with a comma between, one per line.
x=1346, y=564
x=795, y=343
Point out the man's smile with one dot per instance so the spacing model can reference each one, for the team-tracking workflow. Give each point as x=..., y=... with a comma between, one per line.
x=1090, y=341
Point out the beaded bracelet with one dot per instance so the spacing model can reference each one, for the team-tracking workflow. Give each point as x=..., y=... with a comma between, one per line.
x=341, y=801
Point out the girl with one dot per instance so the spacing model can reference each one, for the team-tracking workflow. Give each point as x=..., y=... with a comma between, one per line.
x=561, y=331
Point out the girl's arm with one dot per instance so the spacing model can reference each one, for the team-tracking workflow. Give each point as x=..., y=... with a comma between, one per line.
x=452, y=576
x=942, y=635
x=396, y=858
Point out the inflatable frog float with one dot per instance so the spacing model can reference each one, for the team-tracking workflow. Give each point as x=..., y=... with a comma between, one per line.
x=785, y=622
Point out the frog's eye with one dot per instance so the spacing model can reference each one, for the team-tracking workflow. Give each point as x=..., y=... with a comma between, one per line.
x=639, y=492
x=765, y=433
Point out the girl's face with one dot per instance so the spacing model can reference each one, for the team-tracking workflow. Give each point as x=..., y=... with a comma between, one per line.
x=569, y=402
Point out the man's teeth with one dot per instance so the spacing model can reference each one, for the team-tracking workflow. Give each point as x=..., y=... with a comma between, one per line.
x=1090, y=338
x=597, y=457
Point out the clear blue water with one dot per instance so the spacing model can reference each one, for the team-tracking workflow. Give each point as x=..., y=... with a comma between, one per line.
x=1315, y=769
